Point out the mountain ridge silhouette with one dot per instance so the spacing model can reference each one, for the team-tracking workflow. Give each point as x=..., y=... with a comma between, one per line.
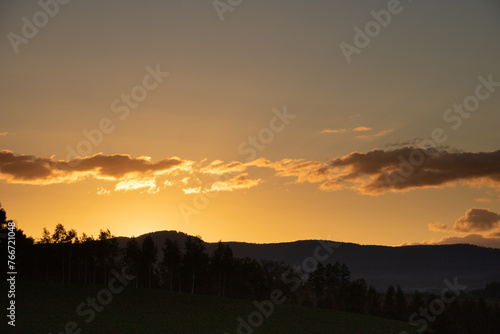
x=415, y=267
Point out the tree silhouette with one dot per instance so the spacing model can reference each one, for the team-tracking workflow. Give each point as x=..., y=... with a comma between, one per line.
x=46, y=240
x=492, y=290
x=345, y=274
x=149, y=254
x=23, y=250
x=88, y=252
x=221, y=263
x=389, y=307
x=132, y=258
x=373, y=301
x=357, y=296
x=172, y=259
x=317, y=280
x=332, y=273
x=60, y=237
x=71, y=239
x=195, y=259
x=3, y=219
x=106, y=252
x=417, y=302
x=248, y=279
x=401, y=305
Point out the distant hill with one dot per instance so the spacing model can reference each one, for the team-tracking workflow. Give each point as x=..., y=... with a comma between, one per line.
x=412, y=267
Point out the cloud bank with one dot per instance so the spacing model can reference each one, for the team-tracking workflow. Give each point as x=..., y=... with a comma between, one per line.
x=408, y=168
x=372, y=173
x=29, y=169
x=482, y=227
x=475, y=220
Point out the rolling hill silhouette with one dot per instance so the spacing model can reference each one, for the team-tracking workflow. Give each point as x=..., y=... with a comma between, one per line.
x=421, y=268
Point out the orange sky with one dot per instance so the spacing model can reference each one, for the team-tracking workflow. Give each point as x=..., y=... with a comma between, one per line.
x=140, y=117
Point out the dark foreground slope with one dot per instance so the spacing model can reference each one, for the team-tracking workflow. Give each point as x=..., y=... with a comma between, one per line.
x=48, y=307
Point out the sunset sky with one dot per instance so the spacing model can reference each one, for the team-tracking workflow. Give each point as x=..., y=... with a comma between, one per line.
x=251, y=122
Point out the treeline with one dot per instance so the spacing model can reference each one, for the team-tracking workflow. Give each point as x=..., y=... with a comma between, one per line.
x=450, y=313
x=64, y=256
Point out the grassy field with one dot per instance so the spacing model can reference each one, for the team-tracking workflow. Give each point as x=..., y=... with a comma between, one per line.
x=48, y=307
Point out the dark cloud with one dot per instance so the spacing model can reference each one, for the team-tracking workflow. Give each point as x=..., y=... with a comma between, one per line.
x=438, y=227
x=477, y=220
x=407, y=168
x=119, y=165
x=30, y=169
x=495, y=235
x=24, y=167
x=403, y=143
x=482, y=222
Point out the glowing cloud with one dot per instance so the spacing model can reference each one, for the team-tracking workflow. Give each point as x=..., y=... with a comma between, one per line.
x=237, y=182
x=372, y=173
x=333, y=130
x=218, y=167
x=362, y=128
x=148, y=184
x=102, y=191
x=378, y=134
x=196, y=190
